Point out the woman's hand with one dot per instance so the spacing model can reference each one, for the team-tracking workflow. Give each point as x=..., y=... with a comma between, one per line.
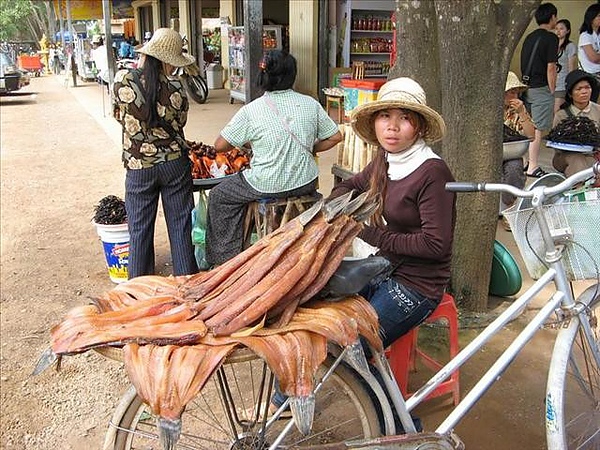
x=517, y=105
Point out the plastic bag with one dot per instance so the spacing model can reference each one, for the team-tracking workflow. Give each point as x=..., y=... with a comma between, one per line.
x=199, y=230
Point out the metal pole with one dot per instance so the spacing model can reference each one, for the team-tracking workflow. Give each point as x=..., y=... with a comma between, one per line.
x=61, y=25
x=70, y=24
x=72, y=58
x=107, y=15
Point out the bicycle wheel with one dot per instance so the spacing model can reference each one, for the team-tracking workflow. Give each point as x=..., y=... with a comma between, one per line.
x=225, y=415
x=573, y=392
x=196, y=87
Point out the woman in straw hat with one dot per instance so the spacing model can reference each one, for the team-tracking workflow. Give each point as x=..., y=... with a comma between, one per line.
x=414, y=225
x=518, y=120
x=152, y=108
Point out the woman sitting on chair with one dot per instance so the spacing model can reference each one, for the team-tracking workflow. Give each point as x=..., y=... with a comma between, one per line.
x=285, y=130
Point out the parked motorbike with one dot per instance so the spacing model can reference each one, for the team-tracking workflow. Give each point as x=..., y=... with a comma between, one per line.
x=193, y=82
x=126, y=63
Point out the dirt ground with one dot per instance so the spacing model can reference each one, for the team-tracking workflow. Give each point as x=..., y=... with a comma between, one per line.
x=57, y=162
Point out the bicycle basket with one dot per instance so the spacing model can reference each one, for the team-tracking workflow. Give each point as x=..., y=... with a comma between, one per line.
x=577, y=218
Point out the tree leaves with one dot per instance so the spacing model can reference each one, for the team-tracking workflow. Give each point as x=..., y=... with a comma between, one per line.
x=22, y=20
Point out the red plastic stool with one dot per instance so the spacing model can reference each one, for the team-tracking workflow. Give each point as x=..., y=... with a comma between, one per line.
x=403, y=352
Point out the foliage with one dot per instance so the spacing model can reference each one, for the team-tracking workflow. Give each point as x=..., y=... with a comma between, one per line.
x=212, y=41
x=23, y=20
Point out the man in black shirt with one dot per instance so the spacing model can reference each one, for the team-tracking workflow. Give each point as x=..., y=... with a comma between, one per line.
x=538, y=66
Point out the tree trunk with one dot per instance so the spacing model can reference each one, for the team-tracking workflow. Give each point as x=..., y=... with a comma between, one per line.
x=417, y=51
x=475, y=41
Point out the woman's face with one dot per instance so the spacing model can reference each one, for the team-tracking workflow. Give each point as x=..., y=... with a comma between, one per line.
x=596, y=22
x=394, y=130
x=561, y=30
x=509, y=95
x=581, y=93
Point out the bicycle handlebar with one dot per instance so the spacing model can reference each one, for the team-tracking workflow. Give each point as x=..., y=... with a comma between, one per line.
x=543, y=191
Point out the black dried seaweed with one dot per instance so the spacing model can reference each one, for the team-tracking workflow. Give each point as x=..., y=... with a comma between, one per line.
x=577, y=130
x=511, y=135
x=110, y=211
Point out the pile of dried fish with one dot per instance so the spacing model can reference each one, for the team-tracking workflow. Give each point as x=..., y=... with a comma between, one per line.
x=579, y=130
x=177, y=330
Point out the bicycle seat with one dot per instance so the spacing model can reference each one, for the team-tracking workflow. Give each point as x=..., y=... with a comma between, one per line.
x=353, y=274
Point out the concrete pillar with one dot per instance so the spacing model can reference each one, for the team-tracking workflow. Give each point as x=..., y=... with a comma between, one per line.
x=253, y=27
x=184, y=18
x=304, y=30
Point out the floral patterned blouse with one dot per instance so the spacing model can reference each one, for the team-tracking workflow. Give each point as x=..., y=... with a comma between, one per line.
x=144, y=146
x=514, y=120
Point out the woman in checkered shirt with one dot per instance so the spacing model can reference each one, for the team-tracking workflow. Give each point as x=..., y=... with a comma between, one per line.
x=285, y=129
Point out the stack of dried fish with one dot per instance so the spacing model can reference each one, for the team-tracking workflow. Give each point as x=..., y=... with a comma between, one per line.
x=177, y=331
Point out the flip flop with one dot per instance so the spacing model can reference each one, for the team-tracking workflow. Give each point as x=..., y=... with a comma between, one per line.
x=285, y=414
x=537, y=173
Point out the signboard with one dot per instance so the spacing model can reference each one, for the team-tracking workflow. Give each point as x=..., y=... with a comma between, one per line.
x=92, y=9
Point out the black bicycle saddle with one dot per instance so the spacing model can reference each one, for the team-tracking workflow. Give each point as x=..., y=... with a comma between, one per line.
x=353, y=275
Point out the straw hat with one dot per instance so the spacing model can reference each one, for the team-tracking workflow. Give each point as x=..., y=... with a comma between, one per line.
x=166, y=45
x=513, y=82
x=402, y=93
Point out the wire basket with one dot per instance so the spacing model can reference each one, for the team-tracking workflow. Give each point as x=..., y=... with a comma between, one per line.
x=574, y=222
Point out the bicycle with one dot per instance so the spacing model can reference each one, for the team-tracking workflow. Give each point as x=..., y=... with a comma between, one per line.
x=355, y=409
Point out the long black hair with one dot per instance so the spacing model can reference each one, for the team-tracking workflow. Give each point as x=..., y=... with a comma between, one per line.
x=567, y=41
x=588, y=18
x=151, y=70
x=277, y=71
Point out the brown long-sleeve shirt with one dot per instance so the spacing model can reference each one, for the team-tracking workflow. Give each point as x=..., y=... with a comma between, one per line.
x=420, y=216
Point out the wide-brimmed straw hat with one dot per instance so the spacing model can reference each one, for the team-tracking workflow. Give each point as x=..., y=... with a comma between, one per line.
x=513, y=82
x=166, y=45
x=401, y=93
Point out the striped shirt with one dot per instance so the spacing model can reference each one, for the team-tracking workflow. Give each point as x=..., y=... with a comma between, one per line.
x=281, y=161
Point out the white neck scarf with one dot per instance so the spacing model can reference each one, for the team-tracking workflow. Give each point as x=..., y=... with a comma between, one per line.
x=404, y=163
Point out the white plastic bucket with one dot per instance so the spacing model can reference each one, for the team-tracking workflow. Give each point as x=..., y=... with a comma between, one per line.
x=115, y=240
x=214, y=76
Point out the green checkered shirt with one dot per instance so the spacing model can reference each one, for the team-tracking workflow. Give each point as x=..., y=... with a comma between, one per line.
x=280, y=162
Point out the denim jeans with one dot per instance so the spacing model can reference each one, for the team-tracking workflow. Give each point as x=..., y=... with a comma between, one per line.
x=398, y=307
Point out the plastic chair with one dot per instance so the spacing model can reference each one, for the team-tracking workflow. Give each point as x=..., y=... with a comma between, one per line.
x=402, y=354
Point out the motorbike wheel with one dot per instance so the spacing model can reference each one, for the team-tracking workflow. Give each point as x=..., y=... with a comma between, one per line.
x=196, y=87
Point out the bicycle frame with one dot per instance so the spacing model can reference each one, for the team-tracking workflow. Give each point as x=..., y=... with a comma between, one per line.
x=561, y=302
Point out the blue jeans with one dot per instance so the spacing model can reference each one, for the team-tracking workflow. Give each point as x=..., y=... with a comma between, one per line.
x=398, y=307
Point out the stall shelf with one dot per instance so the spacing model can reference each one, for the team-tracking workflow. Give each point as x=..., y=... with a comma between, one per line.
x=272, y=40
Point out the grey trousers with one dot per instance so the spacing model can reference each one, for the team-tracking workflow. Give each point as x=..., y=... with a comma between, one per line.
x=172, y=181
x=227, y=205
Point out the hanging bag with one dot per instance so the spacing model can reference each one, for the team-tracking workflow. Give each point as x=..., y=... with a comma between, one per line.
x=527, y=73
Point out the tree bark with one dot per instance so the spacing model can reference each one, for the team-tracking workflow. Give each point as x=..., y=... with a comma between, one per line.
x=417, y=50
x=469, y=48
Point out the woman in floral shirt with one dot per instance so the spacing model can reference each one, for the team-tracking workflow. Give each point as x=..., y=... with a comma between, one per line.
x=152, y=108
x=517, y=119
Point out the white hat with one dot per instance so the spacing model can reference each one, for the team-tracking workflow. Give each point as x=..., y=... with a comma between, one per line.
x=401, y=93
x=513, y=82
x=166, y=45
